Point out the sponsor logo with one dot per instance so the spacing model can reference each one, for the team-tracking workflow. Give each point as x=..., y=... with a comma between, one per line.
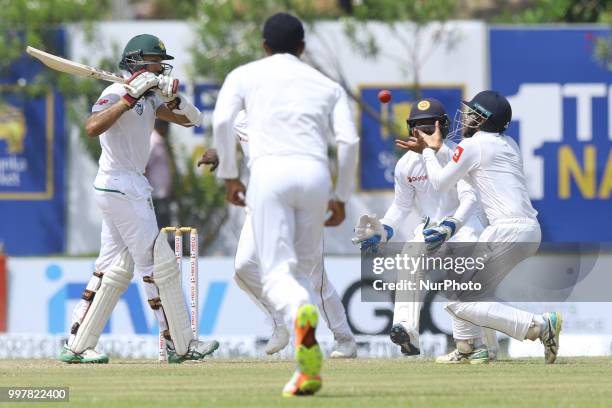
x=416, y=178
x=67, y=291
x=457, y=154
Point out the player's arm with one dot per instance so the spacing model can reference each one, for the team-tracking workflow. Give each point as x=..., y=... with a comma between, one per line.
x=403, y=201
x=186, y=116
x=348, y=150
x=173, y=107
x=230, y=102
x=370, y=232
x=468, y=202
x=111, y=105
x=100, y=121
x=465, y=157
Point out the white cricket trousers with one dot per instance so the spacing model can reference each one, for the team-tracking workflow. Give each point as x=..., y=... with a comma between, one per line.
x=288, y=197
x=248, y=278
x=128, y=220
x=511, y=241
x=407, y=309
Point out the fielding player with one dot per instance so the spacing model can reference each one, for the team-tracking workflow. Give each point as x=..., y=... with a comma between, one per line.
x=290, y=107
x=492, y=163
x=123, y=118
x=453, y=215
x=248, y=278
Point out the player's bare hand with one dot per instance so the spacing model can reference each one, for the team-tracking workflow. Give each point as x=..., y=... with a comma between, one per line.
x=211, y=158
x=235, y=191
x=412, y=143
x=433, y=141
x=337, y=213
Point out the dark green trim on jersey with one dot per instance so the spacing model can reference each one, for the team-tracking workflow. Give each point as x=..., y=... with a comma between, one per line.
x=106, y=190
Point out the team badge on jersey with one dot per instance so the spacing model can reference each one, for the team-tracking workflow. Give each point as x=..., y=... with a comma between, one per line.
x=139, y=108
x=457, y=154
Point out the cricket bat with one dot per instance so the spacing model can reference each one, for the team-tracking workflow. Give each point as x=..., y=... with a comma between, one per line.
x=71, y=67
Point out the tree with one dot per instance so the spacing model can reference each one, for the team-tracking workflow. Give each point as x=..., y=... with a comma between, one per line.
x=405, y=21
x=229, y=35
x=35, y=23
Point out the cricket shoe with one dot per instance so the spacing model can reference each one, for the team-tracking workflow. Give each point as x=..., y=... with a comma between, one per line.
x=478, y=356
x=89, y=356
x=197, y=350
x=550, y=336
x=306, y=380
x=278, y=341
x=345, y=348
x=400, y=336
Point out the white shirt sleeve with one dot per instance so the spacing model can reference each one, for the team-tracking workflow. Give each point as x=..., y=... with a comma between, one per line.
x=402, y=203
x=465, y=158
x=229, y=102
x=345, y=133
x=468, y=201
x=108, y=98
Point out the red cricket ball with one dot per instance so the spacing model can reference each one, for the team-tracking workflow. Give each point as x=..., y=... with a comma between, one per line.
x=384, y=96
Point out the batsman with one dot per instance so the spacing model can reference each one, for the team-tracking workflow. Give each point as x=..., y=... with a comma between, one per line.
x=123, y=118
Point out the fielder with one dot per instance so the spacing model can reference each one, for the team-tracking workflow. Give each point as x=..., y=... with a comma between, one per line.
x=456, y=213
x=248, y=278
x=123, y=118
x=491, y=162
x=290, y=107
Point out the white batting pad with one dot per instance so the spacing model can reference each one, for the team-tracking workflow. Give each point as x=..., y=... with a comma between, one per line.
x=167, y=277
x=114, y=282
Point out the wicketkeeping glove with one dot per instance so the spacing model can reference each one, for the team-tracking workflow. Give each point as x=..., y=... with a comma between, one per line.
x=136, y=86
x=437, y=235
x=370, y=233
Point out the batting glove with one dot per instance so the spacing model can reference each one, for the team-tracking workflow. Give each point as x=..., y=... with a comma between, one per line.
x=437, y=235
x=370, y=233
x=136, y=86
x=168, y=88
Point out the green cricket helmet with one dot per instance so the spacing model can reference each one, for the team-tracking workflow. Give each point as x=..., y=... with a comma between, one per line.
x=142, y=45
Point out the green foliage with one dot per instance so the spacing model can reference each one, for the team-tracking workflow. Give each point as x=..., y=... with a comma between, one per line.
x=393, y=11
x=603, y=51
x=29, y=22
x=558, y=11
x=229, y=31
x=24, y=22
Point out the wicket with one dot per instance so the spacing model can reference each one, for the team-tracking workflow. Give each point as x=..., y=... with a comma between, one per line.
x=193, y=278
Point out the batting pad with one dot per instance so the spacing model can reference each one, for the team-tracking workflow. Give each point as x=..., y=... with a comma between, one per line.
x=167, y=277
x=114, y=282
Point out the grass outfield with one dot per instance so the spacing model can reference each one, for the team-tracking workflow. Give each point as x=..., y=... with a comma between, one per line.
x=398, y=383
